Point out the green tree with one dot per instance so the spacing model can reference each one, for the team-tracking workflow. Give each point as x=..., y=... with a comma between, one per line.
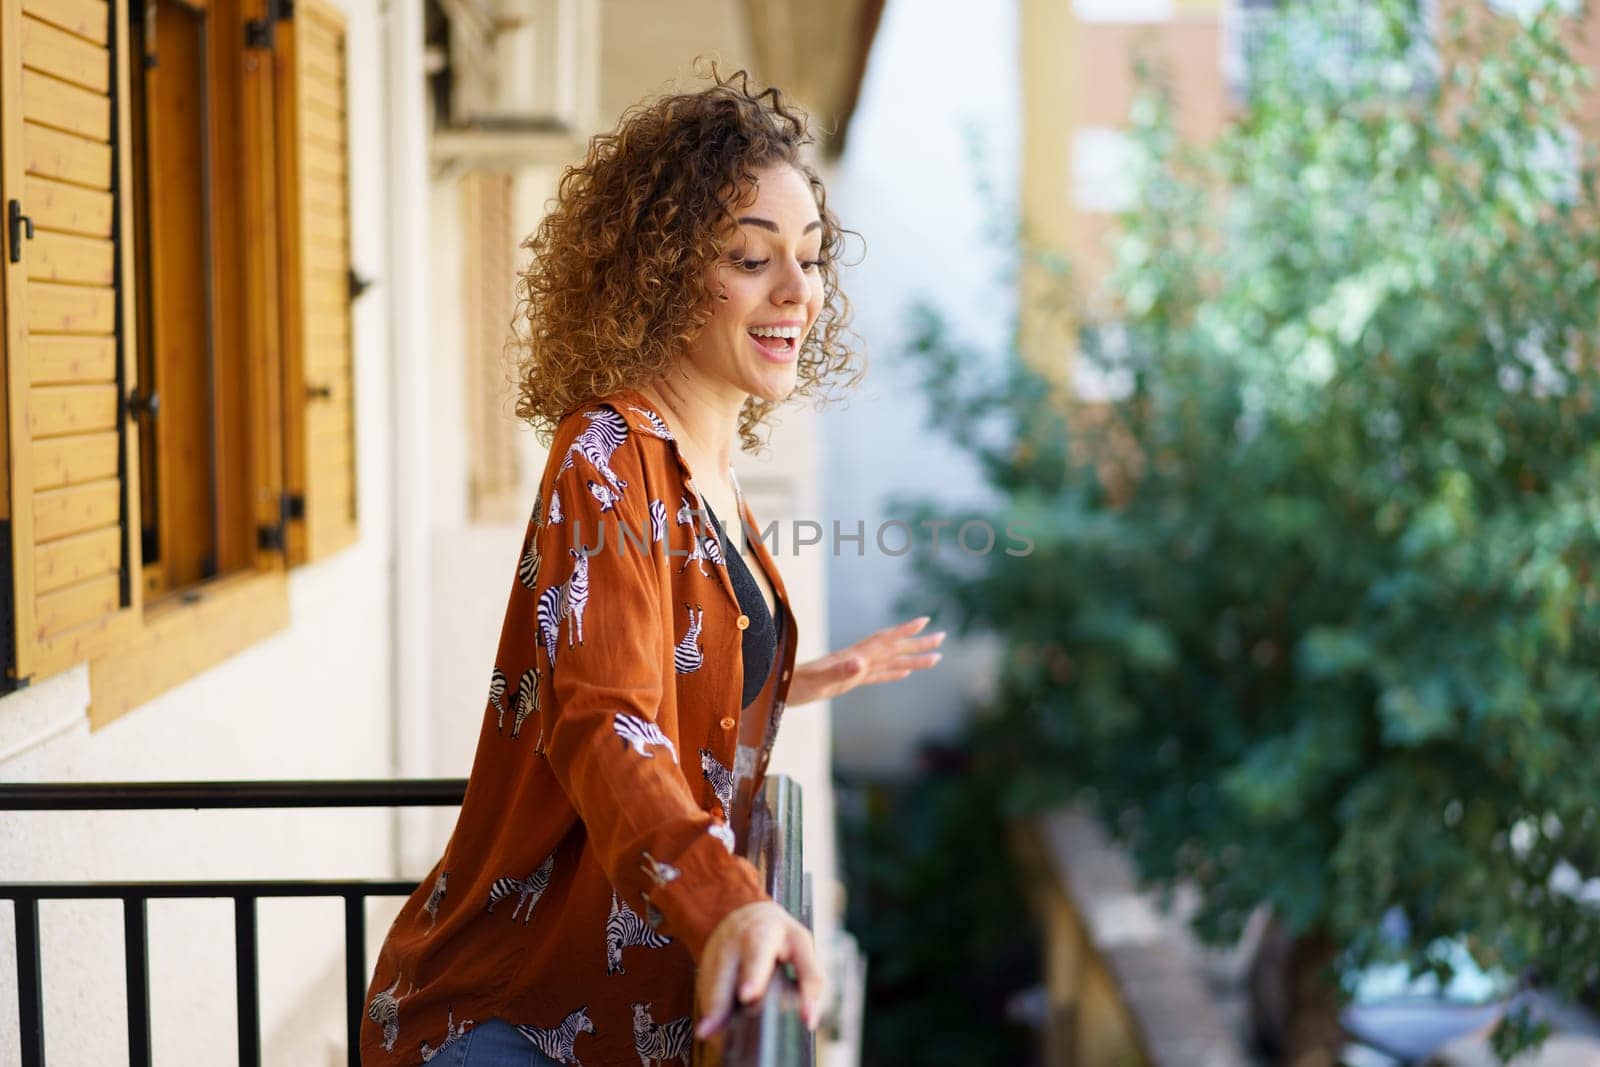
x=1309, y=616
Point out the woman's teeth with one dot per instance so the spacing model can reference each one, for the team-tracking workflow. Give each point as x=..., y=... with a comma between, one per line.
x=778, y=338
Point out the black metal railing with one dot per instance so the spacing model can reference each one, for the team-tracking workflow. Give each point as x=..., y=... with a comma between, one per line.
x=772, y=1033
x=767, y=1034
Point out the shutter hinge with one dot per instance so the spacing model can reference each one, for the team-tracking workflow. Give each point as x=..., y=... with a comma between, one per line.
x=258, y=33
x=19, y=225
x=275, y=537
x=359, y=283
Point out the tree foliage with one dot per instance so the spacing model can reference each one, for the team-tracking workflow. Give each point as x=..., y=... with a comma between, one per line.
x=1311, y=615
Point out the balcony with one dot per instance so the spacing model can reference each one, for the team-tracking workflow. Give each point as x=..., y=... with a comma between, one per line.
x=769, y=1033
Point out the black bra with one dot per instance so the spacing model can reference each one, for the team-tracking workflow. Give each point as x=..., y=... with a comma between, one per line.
x=760, y=642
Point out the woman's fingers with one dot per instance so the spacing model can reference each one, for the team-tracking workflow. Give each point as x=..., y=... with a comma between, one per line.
x=741, y=969
x=802, y=956
x=717, y=994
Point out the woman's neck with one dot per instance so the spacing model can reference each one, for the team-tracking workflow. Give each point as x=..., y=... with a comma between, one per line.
x=703, y=420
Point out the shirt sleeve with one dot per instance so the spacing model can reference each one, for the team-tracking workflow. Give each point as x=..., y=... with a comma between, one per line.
x=604, y=636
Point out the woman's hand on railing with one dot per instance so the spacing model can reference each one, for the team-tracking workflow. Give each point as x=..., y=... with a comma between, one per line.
x=743, y=951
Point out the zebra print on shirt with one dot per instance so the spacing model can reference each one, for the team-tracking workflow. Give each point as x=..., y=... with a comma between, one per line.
x=697, y=552
x=721, y=779
x=722, y=832
x=713, y=550
x=527, y=703
x=497, y=694
x=658, y=521
x=528, y=565
x=657, y=426
x=658, y=872
x=625, y=929
x=641, y=733
x=385, y=1011
x=656, y=1043
x=451, y=1032
x=686, y=657
x=528, y=889
x=607, y=498
x=598, y=442
x=564, y=602
x=555, y=507
x=436, y=898
x=557, y=1043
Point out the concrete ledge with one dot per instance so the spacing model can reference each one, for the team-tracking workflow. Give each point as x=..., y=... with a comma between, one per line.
x=1151, y=959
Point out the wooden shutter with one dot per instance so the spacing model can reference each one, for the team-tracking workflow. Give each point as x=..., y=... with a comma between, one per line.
x=319, y=379
x=73, y=497
x=489, y=299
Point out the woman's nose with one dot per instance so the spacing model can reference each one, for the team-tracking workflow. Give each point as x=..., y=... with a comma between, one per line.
x=790, y=287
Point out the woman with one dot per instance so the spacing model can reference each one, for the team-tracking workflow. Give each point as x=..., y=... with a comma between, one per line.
x=683, y=286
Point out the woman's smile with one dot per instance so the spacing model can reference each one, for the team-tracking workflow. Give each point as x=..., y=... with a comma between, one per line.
x=778, y=342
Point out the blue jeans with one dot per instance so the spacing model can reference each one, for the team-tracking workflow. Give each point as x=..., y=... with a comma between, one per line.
x=495, y=1043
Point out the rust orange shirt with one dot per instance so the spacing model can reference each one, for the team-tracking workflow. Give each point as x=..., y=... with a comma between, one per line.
x=595, y=847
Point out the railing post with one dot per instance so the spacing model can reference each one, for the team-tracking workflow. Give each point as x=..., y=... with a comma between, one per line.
x=355, y=972
x=136, y=964
x=30, y=1003
x=249, y=992
x=772, y=1033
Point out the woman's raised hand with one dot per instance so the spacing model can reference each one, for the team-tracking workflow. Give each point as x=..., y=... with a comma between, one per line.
x=742, y=952
x=886, y=656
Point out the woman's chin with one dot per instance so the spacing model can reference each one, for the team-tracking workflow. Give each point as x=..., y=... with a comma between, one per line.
x=775, y=387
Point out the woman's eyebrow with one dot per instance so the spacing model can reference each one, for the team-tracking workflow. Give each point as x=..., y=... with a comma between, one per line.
x=768, y=224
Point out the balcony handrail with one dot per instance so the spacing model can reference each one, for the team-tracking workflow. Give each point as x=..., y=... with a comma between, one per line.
x=766, y=1034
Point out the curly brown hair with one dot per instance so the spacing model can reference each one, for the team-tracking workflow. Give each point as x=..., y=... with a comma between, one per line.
x=615, y=288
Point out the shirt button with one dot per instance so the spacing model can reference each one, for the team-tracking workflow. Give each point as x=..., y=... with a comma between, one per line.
x=728, y=724
x=786, y=674
x=744, y=622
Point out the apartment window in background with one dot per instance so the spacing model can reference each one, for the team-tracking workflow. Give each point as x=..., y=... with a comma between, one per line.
x=1318, y=39
x=177, y=335
x=191, y=485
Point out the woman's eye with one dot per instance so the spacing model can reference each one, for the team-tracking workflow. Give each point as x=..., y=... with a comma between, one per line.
x=750, y=264
x=812, y=264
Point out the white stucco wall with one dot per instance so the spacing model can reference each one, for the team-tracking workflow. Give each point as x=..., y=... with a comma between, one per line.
x=906, y=184
x=313, y=701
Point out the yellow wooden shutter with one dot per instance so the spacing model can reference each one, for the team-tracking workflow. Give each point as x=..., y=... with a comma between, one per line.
x=69, y=345
x=319, y=379
x=489, y=300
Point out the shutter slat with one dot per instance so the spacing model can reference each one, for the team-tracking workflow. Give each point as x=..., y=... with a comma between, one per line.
x=78, y=558
x=55, y=205
x=59, y=512
x=65, y=461
x=66, y=55
x=56, y=410
x=89, y=19
x=65, y=106
x=55, y=308
x=61, y=257
x=67, y=156
x=77, y=604
x=73, y=359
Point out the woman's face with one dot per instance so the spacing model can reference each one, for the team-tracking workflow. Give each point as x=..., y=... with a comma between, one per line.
x=766, y=290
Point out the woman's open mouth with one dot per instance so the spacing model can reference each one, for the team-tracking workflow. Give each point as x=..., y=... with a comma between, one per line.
x=778, y=345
